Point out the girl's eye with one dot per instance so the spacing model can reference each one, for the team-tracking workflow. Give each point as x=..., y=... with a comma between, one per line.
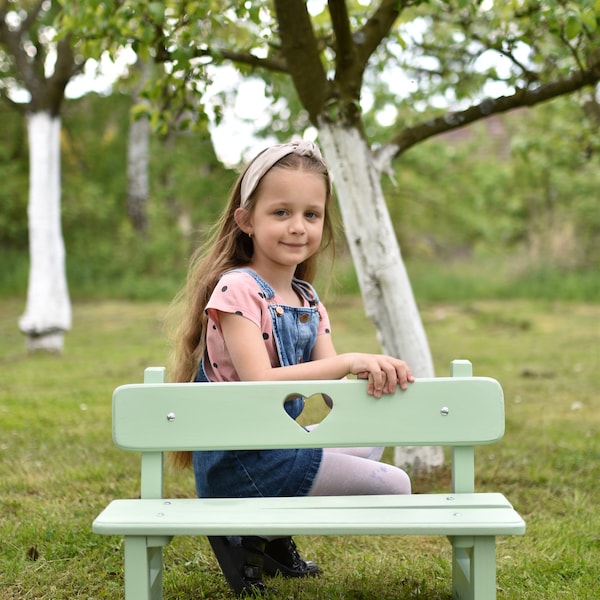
x=312, y=215
x=280, y=213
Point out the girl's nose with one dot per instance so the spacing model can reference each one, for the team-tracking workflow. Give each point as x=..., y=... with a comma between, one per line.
x=297, y=225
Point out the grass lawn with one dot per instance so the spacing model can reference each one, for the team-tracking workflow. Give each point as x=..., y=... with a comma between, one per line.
x=58, y=466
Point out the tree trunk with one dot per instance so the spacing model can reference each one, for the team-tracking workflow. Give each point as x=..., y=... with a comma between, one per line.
x=138, y=154
x=48, y=311
x=386, y=290
x=137, y=173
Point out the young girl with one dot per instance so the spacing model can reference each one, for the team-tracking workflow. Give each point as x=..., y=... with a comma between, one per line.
x=252, y=314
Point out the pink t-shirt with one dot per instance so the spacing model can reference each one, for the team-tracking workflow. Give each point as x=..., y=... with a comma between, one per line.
x=238, y=292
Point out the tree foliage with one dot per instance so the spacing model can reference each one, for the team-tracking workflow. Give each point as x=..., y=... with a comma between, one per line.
x=520, y=183
x=441, y=63
x=32, y=58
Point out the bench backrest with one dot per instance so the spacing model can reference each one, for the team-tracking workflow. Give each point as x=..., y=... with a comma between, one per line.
x=459, y=411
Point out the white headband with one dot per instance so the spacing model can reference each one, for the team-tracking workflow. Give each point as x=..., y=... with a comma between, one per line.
x=267, y=158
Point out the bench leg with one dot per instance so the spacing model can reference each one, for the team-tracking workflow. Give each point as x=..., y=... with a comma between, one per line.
x=474, y=568
x=143, y=568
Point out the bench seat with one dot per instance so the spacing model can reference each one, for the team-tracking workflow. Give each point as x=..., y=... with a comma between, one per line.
x=480, y=514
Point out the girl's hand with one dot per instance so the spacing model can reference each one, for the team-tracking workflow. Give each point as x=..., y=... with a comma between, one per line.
x=383, y=373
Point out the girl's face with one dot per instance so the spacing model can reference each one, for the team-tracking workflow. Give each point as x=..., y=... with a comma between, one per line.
x=286, y=223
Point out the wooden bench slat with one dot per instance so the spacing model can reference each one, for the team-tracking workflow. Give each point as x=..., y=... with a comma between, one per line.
x=250, y=415
x=463, y=514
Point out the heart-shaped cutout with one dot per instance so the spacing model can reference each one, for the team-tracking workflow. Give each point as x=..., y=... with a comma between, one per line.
x=309, y=412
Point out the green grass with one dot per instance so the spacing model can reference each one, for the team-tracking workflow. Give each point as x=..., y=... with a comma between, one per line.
x=140, y=277
x=58, y=466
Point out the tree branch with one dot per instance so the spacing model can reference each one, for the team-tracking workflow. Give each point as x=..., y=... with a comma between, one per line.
x=528, y=74
x=270, y=63
x=23, y=66
x=522, y=97
x=301, y=52
x=345, y=50
x=572, y=51
x=32, y=16
x=3, y=10
x=348, y=69
x=370, y=35
x=64, y=69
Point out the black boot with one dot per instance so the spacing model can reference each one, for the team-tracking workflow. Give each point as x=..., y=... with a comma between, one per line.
x=241, y=560
x=281, y=557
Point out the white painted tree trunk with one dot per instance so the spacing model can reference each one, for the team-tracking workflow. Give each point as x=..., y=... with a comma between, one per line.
x=138, y=151
x=48, y=311
x=138, y=157
x=386, y=290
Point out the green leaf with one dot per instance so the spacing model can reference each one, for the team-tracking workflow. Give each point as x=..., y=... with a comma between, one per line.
x=590, y=18
x=573, y=25
x=157, y=11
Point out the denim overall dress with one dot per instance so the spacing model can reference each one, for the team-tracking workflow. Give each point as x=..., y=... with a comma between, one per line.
x=286, y=472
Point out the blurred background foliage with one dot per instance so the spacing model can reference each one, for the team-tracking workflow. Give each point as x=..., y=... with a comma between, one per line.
x=506, y=207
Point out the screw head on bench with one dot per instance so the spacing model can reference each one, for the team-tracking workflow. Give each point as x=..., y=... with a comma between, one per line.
x=444, y=411
x=171, y=416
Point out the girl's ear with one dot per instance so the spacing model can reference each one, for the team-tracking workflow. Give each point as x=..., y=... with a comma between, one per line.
x=242, y=219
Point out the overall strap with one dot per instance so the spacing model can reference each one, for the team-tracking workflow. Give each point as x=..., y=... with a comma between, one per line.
x=266, y=289
x=307, y=291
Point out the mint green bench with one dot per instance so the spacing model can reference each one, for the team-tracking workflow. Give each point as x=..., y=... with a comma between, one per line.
x=460, y=411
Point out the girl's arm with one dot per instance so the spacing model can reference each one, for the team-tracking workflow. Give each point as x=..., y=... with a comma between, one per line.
x=323, y=348
x=251, y=360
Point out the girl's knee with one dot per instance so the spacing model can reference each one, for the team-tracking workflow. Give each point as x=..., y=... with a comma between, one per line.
x=405, y=483
x=399, y=481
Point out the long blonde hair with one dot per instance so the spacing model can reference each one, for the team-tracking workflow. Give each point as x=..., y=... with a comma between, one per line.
x=227, y=247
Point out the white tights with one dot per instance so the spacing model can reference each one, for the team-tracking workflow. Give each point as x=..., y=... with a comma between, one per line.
x=357, y=471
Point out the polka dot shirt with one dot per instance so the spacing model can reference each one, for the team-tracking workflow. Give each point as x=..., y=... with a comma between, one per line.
x=239, y=293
